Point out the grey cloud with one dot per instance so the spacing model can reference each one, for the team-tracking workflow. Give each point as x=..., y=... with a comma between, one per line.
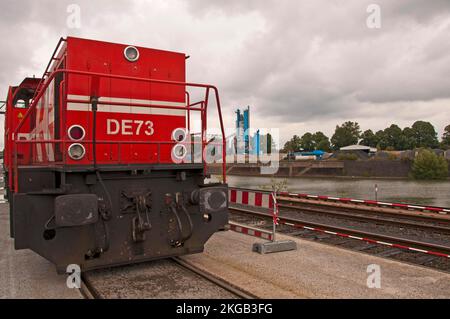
x=406, y=60
x=30, y=27
x=293, y=61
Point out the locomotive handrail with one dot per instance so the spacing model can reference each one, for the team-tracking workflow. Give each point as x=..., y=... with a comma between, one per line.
x=203, y=108
x=115, y=142
x=106, y=142
x=88, y=132
x=53, y=58
x=121, y=77
x=170, y=107
x=118, y=143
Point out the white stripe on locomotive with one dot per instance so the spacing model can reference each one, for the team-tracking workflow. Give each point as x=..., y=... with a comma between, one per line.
x=86, y=107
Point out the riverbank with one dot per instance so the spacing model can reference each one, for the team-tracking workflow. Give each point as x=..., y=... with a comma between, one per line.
x=376, y=169
x=433, y=193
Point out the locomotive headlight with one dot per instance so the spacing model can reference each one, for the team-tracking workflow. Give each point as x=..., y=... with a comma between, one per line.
x=179, y=134
x=179, y=152
x=131, y=53
x=76, y=151
x=76, y=132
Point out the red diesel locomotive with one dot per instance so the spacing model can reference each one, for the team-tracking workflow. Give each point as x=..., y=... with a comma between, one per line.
x=96, y=158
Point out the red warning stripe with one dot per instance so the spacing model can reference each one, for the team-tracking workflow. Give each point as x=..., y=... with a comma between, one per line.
x=245, y=198
x=251, y=198
x=258, y=199
x=232, y=195
x=255, y=232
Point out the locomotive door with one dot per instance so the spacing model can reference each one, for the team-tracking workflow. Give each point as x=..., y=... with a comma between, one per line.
x=16, y=111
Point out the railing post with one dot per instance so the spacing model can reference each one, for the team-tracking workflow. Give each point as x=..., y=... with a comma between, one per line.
x=274, y=215
x=188, y=102
x=204, y=113
x=224, y=142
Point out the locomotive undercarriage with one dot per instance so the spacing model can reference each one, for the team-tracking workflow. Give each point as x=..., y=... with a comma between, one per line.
x=115, y=215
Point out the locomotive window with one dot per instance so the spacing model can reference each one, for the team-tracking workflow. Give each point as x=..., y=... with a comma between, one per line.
x=22, y=104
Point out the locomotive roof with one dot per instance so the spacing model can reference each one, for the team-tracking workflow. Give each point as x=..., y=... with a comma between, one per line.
x=121, y=44
x=29, y=82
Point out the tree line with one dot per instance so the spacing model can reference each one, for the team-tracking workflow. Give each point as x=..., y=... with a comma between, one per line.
x=420, y=135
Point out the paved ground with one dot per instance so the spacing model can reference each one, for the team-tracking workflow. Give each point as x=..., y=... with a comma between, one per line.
x=314, y=271
x=24, y=274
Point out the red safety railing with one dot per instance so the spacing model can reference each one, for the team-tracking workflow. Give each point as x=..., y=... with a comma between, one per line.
x=201, y=106
x=47, y=72
x=119, y=144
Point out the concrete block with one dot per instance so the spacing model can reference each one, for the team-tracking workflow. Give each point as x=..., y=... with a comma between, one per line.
x=274, y=247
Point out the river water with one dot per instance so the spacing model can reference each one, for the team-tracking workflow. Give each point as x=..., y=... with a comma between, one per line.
x=435, y=193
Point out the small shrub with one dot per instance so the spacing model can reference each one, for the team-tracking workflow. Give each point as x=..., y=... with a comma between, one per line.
x=406, y=160
x=276, y=186
x=428, y=165
x=392, y=157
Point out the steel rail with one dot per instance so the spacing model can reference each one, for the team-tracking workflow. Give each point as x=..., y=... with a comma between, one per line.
x=368, y=236
x=367, y=218
x=366, y=202
x=215, y=280
x=87, y=290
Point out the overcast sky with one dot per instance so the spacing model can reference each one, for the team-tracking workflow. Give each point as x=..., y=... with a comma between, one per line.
x=300, y=65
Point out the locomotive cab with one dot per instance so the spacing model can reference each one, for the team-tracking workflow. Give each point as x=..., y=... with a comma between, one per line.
x=98, y=162
x=17, y=103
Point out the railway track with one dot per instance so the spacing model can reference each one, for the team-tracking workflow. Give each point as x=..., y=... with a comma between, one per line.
x=414, y=220
x=367, y=209
x=172, y=278
x=393, y=237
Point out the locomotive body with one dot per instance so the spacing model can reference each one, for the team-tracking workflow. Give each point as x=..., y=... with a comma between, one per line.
x=96, y=158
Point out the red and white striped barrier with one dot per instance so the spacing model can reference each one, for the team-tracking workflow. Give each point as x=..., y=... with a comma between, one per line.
x=364, y=239
x=253, y=198
x=255, y=232
x=267, y=201
x=368, y=202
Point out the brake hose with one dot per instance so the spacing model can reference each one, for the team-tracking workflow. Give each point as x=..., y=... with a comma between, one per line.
x=191, y=225
x=173, y=209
